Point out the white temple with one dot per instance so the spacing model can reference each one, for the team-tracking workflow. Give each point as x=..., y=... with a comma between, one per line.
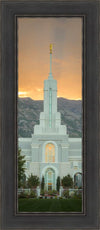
x=50, y=152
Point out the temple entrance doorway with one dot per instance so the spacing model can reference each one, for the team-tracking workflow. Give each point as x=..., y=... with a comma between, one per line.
x=50, y=179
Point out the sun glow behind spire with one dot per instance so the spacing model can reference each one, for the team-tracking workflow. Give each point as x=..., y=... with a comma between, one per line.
x=22, y=94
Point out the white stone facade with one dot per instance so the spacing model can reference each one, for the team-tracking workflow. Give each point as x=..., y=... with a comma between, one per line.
x=50, y=152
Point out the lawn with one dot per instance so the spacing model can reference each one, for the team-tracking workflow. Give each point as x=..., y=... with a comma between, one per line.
x=49, y=205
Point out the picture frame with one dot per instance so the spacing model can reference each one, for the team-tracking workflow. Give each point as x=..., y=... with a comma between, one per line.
x=10, y=11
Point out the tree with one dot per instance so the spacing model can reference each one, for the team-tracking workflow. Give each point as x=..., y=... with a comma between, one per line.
x=21, y=169
x=67, y=181
x=42, y=183
x=24, y=181
x=33, y=181
x=58, y=183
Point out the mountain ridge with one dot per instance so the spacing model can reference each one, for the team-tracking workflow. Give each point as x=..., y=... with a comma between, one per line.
x=29, y=111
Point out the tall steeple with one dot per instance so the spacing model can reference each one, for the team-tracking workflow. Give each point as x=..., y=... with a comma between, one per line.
x=50, y=74
x=50, y=95
x=50, y=119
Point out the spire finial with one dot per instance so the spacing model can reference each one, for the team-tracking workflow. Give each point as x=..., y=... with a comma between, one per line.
x=50, y=48
x=50, y=74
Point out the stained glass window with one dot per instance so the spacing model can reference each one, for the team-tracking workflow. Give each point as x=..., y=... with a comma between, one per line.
x=50, y=153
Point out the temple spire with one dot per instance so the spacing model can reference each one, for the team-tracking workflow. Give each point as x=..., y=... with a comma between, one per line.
x=50, y=74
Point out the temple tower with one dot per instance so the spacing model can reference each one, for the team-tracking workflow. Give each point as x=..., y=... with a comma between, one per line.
x=50, y=119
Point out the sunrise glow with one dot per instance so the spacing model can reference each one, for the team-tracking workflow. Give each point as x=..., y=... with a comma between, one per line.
x=34, y=38
x=22, y=94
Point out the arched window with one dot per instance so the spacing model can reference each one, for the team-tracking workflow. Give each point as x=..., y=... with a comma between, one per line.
x=78, y=179
x=50, y=153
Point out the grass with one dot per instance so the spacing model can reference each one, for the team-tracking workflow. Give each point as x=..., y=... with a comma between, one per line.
x=49, y=205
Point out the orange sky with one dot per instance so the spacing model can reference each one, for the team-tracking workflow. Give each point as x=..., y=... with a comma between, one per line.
x=34, y=38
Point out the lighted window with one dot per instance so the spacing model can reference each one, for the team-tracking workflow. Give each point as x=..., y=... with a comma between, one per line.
x=50, y=153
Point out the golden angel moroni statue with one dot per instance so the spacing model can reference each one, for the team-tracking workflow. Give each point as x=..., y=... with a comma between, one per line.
x=51, y=48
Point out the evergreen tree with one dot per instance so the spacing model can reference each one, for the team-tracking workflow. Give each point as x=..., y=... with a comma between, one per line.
x=21, y=169
x=67, y=181
x=42, y=183
x=58, y=183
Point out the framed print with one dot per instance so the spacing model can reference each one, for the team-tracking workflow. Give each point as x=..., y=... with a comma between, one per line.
x=50, y=134
x=50, y=122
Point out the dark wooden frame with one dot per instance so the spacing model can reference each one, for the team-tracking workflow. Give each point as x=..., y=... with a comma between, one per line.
x=90, y=217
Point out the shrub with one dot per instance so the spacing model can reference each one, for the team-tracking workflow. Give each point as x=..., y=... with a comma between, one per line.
x=32, y=194
x=54, y=192
x=77, y=195
x=66, y=193
x=22, y=195
x=45, y=192
x=26, y=192
x=40, y=197
x=33, y=181
x=42, y=192
x=50, y=192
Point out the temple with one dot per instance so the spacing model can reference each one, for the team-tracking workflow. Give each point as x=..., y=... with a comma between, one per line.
x=50, y=152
